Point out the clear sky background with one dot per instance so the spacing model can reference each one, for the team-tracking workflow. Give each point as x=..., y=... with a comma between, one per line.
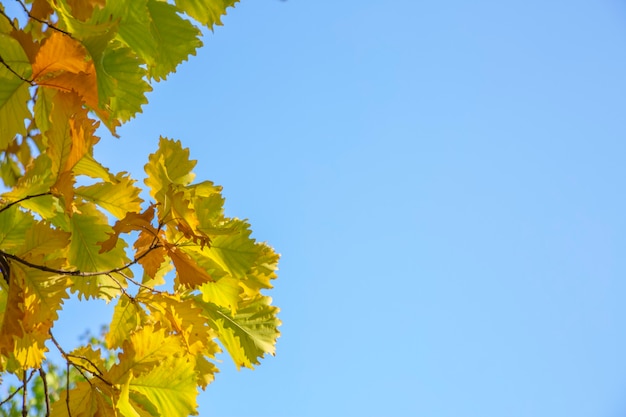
x=445, y=182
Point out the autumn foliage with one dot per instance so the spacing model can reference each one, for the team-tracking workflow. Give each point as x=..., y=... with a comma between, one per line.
x=181, y=276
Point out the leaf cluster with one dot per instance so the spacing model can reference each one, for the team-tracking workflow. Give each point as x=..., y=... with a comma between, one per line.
x=182, y=276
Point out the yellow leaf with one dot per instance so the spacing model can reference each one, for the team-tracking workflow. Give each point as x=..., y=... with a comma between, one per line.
x=41, y=240
x=141, y=352
x=128, y=316
x=170, y=387
x=205, y=370
x=123, y=403
x=86, y=399
x=89, y=227
x=34, y=299
x=89, y=359
x=183, y=317
x=224, y=292
x=13, y=315
x=118, y=195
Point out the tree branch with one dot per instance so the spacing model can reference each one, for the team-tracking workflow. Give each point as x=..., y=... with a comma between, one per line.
x=9, y=19
x=3, y=62
x=25, y=393
x=44, y=380
x=80, y=368
x=43, y=22
x=76, y=273
x=67, y=385
x=8, y=206
x=13, y=394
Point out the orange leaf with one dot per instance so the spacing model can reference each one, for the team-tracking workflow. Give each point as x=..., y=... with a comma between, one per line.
x=64, y=64
x=64, y=188
x=31, y=48
x=60, y=53
x=188, y=272
x=152, y=260
x=41, y=9
x=71, y=132
x=130, y=222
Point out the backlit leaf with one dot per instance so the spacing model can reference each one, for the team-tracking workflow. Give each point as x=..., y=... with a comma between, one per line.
x=207, y=12
x=170, y=387
x=14, y=93
x=250, y=333
x=118, y=197
x=128, y=316
x=88, y=227
x=176, y=39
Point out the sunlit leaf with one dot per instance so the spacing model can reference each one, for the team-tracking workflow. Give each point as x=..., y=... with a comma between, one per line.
x=207, y=12
x=118, y=197
x=250, y=333
x=14, y=93
x=170, y=387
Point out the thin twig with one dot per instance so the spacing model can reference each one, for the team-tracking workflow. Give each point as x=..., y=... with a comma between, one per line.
x=9, y=19
x=24, y=395
x=76, y=273
x=3, y=62
x=80, y=368
x=13, y=394
x=98, y=371
x=139, y=284
x=8, y=206
x=67, y=384
x=44, y=380
x=43, y=22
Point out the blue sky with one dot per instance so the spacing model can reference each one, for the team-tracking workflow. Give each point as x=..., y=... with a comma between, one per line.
x=445, y=183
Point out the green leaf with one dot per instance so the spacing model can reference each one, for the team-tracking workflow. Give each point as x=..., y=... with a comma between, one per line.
x=14, y=224
x=134, y=26
x=142, y=351
x=86, y=399
x=14, y=93
x=176, y=38
x=207, y=12
x=121, y=85
x=88, y=227
x=250, y=333
x=118, y=197
x=170, y=387
x=38, y=180
x=235, y=252
x=128, y=316
x=89, y=167
x=170, y=164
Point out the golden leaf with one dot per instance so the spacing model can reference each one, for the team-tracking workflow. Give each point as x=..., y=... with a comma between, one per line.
x=64, y=64
x=188, y=273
